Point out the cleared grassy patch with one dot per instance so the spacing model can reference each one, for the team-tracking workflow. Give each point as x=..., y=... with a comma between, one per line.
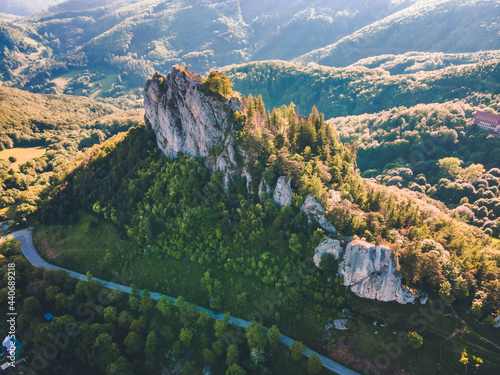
x=22, y=154
x=105, y=85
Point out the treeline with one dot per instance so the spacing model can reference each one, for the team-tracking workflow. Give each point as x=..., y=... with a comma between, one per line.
x=104, y=331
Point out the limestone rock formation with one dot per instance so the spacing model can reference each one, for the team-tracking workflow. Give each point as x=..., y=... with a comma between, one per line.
x=370, y=271
x=341, y=324
x=264, y=187
x=283, y=192
x=327, y=246
x=188, y=120
x=314, y=210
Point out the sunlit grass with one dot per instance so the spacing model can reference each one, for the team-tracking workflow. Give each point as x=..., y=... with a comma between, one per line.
x=22, y=154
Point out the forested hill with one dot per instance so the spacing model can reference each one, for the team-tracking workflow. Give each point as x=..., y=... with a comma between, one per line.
x=426, y=26
x=42, y=135
x=413, y=62
x=109, y=48
x=353, y=91
x=135, y=37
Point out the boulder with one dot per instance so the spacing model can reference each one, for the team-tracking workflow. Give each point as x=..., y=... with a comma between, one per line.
x=371, y=272
x=341, y=324
x=283, y=192
x=327, y=246
x=314, y=211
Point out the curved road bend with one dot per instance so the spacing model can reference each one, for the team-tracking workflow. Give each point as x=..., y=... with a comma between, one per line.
x=32, y=256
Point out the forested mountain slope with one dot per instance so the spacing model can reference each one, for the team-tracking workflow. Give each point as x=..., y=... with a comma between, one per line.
x=358, y=90
x=78, y=47
x=54, y=130
x=426, y=26
x=246, y=249
x=413, y=62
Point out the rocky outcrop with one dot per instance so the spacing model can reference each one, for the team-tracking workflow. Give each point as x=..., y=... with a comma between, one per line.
x=341, y=324
x=264, y=188
x=314, y=211
x=327, y=246
x=190, y=121
x=371, y=272
x=283, y=192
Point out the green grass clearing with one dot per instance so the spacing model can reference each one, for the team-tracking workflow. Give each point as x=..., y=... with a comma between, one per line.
x=22, y=154
x=106, y=85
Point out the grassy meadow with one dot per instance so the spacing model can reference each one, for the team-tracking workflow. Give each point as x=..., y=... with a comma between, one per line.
x=22, y=154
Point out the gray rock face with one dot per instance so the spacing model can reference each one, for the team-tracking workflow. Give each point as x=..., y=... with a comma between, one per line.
x=264, y=187
x=370, y=272
x=189, y=121
x=341, y=324
x=314, y=210
x=327, y=246
x=283, y=192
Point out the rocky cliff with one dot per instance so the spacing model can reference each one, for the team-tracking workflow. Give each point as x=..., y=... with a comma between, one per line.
x=191, y=120
x=371, y=272
x=314, y=211
x=188, y=120
x=283, y=191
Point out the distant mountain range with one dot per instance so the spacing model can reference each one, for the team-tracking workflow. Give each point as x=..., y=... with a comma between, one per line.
x=427, y=26
x=105, y=48
x=23, y=8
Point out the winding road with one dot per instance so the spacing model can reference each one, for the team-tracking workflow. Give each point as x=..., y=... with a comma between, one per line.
x=34, y=258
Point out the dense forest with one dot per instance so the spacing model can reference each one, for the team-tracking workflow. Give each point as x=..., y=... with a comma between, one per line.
x=61, y=127
x=358, y=90
x=414, y=62
x=108, y=332
x=433, y=149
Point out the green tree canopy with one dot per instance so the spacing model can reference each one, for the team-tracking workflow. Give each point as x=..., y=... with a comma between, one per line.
x=219, y=83
x=274, y=335
x=256, y=335
x=314, y=364
x=297, y=349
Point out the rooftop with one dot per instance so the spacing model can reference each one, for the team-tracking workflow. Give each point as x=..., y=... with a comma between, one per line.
x=487, y=116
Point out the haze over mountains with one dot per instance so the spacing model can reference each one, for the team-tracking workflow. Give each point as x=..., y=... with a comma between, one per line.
x=135, y=38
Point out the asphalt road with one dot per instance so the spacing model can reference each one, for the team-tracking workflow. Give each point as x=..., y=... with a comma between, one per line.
x=32, y=256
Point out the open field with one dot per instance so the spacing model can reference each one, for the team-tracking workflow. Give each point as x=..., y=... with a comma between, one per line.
x=22, y=154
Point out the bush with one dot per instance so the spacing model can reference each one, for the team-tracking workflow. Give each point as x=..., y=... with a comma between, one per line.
x=416, y=341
